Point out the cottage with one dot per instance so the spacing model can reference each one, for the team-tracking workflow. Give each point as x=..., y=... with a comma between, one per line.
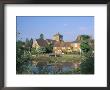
x=39, y=43
x=76, y=46
x=62, y=47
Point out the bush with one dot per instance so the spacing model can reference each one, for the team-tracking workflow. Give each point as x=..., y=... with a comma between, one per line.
x=23, y=58
x=87, y=66
x=85, y=46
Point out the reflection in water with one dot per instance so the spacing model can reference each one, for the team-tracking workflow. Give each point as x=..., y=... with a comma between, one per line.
x=53, y=68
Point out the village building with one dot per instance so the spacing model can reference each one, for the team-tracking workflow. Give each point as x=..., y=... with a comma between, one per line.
x=39, y=43
x=59, y=45
x=58, y=37
x=50, y=41
x=64, y=47
x=76, y=46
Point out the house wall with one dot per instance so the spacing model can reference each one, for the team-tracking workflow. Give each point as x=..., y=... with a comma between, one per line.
x=58, y=38
x=76, y=46
x=62, y=49
x=35, y=44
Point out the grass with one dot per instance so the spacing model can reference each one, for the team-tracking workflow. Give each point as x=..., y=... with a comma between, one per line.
x=64, y=58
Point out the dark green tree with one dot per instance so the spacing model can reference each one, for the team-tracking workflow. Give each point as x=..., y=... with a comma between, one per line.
x=19, y=55
x=87, y=67
x=85, y=37
x=41, y=36
x=49, y=48
x=28, y=44
x=23, y=58
x=41, y=50
x=87, y=62
x=85, y=47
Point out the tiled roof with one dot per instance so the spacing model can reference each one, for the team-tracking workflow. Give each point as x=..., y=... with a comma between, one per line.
x=76, y=41
x=50, y=41
x=41, y=42
x=67, y=44
x=62, y=44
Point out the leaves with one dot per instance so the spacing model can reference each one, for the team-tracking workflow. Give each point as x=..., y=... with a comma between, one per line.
x=23, y=57
x=49, y=48
x=41, y=36
x=87, y=64
x=85, y=46
x=87, y=67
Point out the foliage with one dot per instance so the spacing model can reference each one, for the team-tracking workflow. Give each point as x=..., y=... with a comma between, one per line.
x=41, y=50
x=49, y=48
x=28, y=44
x=85, y=37
x=41, y=36
x=85, y=47
x=33, y=51
x=87, y=67
x=22, y=57
x=77, y=71
x=87, y=62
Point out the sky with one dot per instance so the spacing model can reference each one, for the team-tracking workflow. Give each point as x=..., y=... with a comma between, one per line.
x=68, y=26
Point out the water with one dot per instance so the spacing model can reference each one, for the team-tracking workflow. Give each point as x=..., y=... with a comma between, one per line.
x=52, y=69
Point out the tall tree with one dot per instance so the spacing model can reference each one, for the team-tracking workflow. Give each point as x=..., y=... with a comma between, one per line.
x=17, y=36
x=28, y=44
x=49, y=48
x=87, y=63
x=83, y=37
x=41, y=36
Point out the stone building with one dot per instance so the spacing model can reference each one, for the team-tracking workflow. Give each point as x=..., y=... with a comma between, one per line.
x=58, y=37
x=59, y=45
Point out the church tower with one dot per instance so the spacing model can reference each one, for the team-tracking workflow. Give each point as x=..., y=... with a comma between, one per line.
x=58, y=37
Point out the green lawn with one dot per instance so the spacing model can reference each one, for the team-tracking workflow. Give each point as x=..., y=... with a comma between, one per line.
x=62, y=58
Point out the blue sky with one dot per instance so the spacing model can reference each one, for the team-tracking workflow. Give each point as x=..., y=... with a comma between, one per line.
x=69, y=26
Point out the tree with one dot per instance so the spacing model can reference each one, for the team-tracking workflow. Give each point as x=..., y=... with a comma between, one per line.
x=87, y=62
x=85, y=37
x=49, y=48
x=19, y=56
x=41, y=36
x=87, y=67
x=31, y=42
x=33, y=51
x=41, y=50
x=23, y=58
x=28, y=44
x=85, y=46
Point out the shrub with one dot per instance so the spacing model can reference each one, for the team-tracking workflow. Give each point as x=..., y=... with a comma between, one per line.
x=87, y=66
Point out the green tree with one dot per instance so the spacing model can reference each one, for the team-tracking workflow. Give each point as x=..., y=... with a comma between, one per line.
x=85, y=37
x=28, y=44
x=41, y=50
x=85, y=47
x=87, y=67
x=41, y=36
x=87, y=62
x=49, y=48
x=23, y=57
x=19, y=54
x=33, y=51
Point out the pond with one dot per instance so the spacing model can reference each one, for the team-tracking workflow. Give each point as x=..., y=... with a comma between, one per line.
x=58, y=68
